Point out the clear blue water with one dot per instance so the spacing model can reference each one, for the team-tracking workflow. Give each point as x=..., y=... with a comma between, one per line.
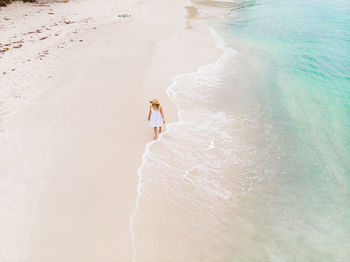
x=304, y=92
x=258, y=167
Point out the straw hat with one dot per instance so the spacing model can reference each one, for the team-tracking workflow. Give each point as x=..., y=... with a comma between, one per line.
x=154, y=101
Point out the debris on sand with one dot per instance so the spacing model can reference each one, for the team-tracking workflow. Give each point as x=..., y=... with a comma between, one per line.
x=124, y=15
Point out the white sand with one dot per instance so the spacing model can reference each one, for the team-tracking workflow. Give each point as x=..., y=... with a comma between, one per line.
x=73, y=135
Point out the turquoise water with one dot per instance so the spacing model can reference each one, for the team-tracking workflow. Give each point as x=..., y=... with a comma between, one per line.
x=304, y=93
x=257, y=167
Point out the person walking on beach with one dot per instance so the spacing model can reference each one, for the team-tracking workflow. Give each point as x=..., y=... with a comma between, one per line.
x=156, y=117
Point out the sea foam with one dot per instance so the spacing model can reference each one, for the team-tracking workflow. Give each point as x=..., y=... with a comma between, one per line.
x=189, y=168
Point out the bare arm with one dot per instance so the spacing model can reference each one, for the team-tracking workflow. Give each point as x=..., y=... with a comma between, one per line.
x=149, y=114
x=161, y=112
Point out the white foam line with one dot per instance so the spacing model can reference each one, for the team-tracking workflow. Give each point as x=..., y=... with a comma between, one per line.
x=221, y=45
x=211, y=146
x=139, y=174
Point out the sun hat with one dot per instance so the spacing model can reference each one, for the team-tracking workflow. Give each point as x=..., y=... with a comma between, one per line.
x=154, y=101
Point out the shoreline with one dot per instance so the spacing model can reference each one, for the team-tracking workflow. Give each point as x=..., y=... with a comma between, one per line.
x=220, y=48
x=219, y=45
x=68, y=214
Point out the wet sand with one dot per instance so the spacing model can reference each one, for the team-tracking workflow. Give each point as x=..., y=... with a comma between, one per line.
x=83, y=136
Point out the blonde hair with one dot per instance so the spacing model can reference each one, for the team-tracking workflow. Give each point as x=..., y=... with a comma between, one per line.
x=155, y=102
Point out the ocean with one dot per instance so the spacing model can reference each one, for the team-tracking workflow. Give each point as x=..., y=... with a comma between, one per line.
x=257, y=169
x=258, y=166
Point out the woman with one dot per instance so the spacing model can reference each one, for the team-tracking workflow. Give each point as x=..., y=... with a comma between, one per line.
x=156, y=117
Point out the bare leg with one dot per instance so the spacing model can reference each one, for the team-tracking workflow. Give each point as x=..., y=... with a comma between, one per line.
x=155, y=133
x=160, y=130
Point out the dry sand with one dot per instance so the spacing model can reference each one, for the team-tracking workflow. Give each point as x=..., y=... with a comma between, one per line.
x=84, y=134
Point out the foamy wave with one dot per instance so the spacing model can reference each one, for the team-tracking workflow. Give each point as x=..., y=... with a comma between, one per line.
x=203, y=162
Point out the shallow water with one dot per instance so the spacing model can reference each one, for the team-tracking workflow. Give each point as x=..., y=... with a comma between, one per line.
x=257, y=168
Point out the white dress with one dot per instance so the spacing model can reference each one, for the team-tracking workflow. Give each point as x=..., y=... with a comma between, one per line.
x=156, y=118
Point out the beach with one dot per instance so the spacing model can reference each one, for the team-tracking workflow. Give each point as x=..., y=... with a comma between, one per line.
x=74, y=138
x=252, y=165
